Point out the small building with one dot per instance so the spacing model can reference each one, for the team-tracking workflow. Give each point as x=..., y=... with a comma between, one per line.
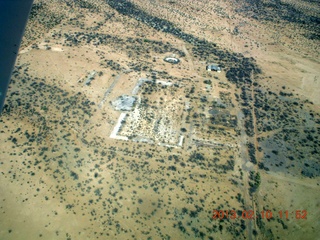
x=213, y=67
x=172, y=60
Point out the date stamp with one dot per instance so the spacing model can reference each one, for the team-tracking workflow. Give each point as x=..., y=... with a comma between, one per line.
x=265, y=214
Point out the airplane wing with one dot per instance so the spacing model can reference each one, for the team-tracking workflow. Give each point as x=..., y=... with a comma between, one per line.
x=13, y=20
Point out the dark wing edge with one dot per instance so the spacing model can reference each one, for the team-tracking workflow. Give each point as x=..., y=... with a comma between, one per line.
x=13, y=20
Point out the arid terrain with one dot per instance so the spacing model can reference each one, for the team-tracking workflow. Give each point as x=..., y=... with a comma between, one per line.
x=101, y=138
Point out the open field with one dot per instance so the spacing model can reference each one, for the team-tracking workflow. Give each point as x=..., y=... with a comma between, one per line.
x=75, y=165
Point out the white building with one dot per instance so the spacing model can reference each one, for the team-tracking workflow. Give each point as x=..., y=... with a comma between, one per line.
x=213, y=67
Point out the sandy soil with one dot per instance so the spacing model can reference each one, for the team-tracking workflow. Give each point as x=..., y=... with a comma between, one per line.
x=68, y=170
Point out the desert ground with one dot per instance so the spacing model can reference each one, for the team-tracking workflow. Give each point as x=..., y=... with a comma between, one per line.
x=101, y=138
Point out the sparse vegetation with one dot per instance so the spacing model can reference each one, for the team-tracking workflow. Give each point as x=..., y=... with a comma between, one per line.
x=194, y=141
